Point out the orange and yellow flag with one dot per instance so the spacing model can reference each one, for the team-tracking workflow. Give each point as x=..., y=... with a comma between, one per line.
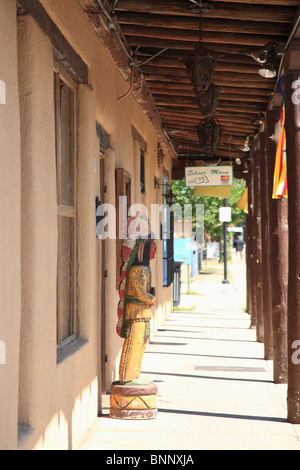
x=243, y=201
x=280, y=175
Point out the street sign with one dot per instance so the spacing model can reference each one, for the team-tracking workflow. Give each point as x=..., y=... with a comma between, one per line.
x=183, y=250
x=225, y=214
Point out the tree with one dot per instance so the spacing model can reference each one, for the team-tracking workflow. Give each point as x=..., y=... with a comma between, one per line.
x=212, y=226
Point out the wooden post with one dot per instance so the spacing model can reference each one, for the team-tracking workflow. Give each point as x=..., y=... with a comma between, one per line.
x=250, y=246
x=257, y=264
x=278, y=251
x=248, y=235
x=266, y=284
x=292, y=101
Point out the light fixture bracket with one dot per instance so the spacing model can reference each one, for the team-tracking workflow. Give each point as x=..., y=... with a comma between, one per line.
x=170, y=197
x=199, y=7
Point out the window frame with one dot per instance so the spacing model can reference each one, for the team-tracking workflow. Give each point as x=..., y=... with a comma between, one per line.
x=167, y=237
x=142, y=171
x=67, y=210
x=165, y=182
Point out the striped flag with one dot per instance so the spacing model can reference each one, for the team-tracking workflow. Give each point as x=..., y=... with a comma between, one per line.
x=280, y=176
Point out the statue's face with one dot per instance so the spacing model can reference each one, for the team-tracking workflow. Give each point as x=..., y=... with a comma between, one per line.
x=152, y=249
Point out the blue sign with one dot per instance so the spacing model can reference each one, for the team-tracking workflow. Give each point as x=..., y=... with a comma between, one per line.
x=183, y=250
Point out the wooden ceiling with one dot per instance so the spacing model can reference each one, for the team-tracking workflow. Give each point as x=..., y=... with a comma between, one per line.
x=231, y=30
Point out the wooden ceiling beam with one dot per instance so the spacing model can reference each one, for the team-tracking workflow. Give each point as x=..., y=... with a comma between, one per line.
x=228, y=66
x=191, y=23
x=238, y=141
x=278, y=13
x=177, y=56
x=181, y=120
x=232, y=128
x=177, y=88
x=219, y=80
x=287, y=3
x=188, y=150
x=190, y=111
x=174, y=127
x=149, y=70
x=188, y=126
x=193, y=142
x=158, y=43
x=223, y=104
x=193, y=36
x=173, y=94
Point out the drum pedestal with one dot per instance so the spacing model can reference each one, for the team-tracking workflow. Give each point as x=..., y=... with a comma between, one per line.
x=133, y=401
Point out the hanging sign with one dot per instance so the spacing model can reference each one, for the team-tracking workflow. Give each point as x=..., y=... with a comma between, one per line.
x=208, y=176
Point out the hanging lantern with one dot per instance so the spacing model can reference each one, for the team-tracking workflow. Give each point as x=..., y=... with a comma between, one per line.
x=208, y=99
x=170, y=197
x=209, y=135
x=200, y=66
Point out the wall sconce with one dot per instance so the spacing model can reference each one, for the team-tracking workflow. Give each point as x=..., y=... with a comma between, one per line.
x=268, y=71
x=209, y=134
x=170, y=197
x=267, y=57
x=269, y=50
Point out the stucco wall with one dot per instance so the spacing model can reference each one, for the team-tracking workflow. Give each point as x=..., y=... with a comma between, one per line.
x=58, y=394
x=10, y=298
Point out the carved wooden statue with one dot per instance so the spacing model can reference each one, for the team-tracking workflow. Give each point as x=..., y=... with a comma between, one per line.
x=133, y=397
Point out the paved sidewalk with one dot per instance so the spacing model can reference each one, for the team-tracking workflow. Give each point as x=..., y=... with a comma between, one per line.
x=215, y=390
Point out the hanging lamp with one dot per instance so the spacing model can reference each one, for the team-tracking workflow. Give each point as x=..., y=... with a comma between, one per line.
x=200, y=64
x=207, y=100
x=209, y=135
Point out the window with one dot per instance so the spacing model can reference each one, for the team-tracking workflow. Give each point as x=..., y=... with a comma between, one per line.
x=123, y=188
x=65, y=93
x=142, y=171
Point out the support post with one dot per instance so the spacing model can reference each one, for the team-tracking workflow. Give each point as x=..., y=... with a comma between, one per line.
x=257, y=247
x=278, y=251
x=250, y=247
x=225, y=280
x=292, y=101
x=266, y=284
x=248, y=270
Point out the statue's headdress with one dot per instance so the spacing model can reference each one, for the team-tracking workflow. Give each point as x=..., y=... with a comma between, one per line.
x=132, y=250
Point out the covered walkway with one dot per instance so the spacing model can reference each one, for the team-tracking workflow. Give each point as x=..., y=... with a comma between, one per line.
x=215, y=390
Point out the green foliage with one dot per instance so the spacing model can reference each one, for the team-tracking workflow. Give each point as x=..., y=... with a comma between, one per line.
x=212, y=226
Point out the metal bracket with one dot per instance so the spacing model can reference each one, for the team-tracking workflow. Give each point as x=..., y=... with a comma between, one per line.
x=199, y=7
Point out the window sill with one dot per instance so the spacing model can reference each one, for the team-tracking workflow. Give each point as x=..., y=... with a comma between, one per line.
x=63, y=352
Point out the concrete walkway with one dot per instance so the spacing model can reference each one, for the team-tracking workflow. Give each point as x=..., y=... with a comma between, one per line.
x=215, y=390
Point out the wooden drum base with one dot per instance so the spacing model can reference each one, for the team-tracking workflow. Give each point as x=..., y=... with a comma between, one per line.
x=133, y=401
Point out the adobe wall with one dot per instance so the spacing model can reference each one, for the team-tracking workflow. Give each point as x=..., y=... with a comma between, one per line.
x=54, y=397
